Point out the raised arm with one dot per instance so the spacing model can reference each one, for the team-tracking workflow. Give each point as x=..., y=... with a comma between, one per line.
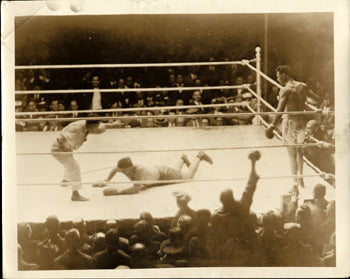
x=247, y=196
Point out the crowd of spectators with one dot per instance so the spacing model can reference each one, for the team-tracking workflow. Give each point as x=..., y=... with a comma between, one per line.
x=133, y=79
x=298, y=234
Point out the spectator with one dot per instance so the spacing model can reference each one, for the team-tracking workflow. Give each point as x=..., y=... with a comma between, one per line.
x=140, y=257
x=27, y=244
x=54, y=125
x=195, y=101
x=73, y=258
x=47, y=254
x=233, y=241
x=22, y=264
x=111, y=257
x=172, y=251
x=191, y=76
x=74, y=107
x=95, y=100
x=86, y=242
x=270, y=237
x=211, y=74
x=155, y=231
x=123, y=243
x=322, y=157
x=99, y=242
x=32, y=126
x=295, y=253
x=182, y=200
x=53, y=241
x=143, y=234
x=177, y=121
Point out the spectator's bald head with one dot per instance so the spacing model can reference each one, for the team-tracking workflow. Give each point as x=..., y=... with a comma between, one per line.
x=226, y=197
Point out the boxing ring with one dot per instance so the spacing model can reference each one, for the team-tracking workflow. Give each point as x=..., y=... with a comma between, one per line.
x=38, y=173
x=35, y=203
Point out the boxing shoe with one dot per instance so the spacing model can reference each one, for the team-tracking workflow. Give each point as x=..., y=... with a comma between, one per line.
x=185, y=159
x=205, y=157
x=77, y=197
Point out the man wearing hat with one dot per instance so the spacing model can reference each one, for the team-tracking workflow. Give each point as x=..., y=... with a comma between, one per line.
x=138, y=172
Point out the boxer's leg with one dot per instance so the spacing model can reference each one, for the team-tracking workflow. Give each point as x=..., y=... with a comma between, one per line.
x=202, y=156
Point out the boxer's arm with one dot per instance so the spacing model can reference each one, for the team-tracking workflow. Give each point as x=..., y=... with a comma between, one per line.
x=284, y=93
x=112, y=173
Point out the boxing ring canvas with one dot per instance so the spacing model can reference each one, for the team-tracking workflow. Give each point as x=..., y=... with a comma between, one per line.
x=35, y=202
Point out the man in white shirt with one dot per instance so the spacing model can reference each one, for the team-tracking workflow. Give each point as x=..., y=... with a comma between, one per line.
x=71, y=138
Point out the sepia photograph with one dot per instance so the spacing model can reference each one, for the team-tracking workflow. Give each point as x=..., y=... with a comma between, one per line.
x=191, y=141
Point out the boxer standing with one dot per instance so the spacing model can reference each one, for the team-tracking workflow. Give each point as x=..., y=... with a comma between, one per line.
x=293, y=95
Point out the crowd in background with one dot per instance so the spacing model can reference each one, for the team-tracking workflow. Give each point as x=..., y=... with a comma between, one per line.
x=178, y=77
x=298, y=234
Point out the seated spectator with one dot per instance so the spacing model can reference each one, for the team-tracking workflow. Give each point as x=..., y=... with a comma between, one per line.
x=111, y=257
x=195, y=101
x=140, y=257
x=319, y=194
x=172, y=251
x=123, y=243
x=73, y=105
x=32, y=126
x=191, y=76
x=73, y=258
x=28, y=245
x=143, y=234
x=22, y=264
x=295, y=252
x=177, y=121
x=85, y=240
x=99, y=242
x=211, y=74
x=53, y=240
x=270, y=237
x=182, y=200
x=322, y=157
x=47, y=254
x=329, y=253
x=156, y=233
x=54, y=125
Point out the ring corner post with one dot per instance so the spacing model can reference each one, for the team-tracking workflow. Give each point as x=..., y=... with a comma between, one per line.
x=258, y=81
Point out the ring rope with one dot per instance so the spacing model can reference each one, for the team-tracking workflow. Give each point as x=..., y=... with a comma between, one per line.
x=132, y=90
x=204, y=115
x=170, y=150
x=166, y=181
x=129, y=65
x=131, y=109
